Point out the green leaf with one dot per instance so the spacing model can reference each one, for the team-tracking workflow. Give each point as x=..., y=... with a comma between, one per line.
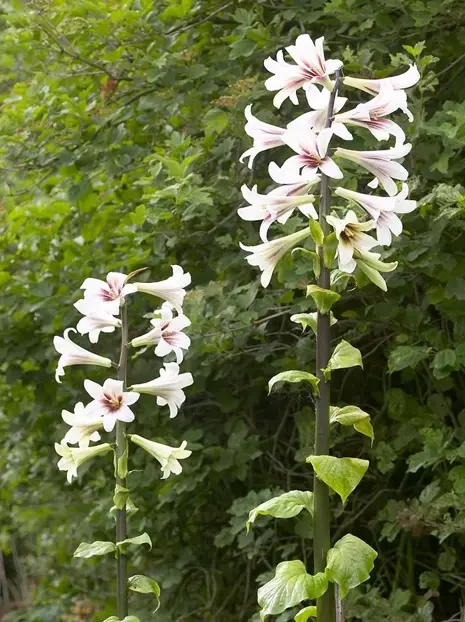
x=316, y=232
x=353, y=415
x=137, y=541
x=341, y=474
x=121, y=464
x=306, y=614
x=407, y=356
x=215, y=121
x=349, y=563
x=294, y=375
x=444, y=363
x=344, y=356
x=126, y=619
x=120, y=497
x=286, y=505
x=99, y=547
x=309, y=319
x=290, y=586
x=329, y=249
x=323, y=298
x=314, y=256
x=144, y=585
x=131, y=508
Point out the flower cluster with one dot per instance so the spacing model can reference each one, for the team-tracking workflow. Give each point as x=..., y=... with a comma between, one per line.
x=101, y=310
x=309, y=137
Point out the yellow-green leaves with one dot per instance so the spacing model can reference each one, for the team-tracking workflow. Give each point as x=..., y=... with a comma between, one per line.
x=344, y=356
x=341, y=474
x=309, y=319
x=353, y=415
x=285, y=506
x=99, y=547
x=305, y=614
x=293, y=376
x=329, y=249
x=349, y=563
x=323, y=298
x=144, y=538
x=372, y=267
x=289, y=587
x=316, y=232
x=144, y=585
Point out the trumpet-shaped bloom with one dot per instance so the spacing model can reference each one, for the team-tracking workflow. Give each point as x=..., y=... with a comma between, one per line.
x=277, y=205
x=107, y=295
x=267, y=255
x=311, y=68
x=265, y=136
x=316, y=119
x=383, y=210
x=72, y=354
x=110, y=402
x=95, y=320
x=84, y=426
x=171, y=289
x=381, y=164
x=370, y=114
x=311, y=155
x=167, y=456
x=72, y=458
x=403, y=81
x=351, y=237
x=168, y=387
x=166, y=334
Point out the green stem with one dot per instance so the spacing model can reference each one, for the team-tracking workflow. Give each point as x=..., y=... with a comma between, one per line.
x=121, y=445
x=326, y=605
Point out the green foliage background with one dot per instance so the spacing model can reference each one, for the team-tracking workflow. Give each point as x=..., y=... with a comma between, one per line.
x=121, y=126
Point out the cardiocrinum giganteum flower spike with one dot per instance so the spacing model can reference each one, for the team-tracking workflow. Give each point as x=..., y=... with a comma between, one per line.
x=339, y=241
x=101, y=426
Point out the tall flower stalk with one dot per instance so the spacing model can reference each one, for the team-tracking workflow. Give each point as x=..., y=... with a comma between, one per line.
x=339, y=242
x=110, y=409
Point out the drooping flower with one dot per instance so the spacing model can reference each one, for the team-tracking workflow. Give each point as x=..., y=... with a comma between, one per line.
x=383, y=210
x=84, y=426
x=370, y=264
x=278, y=205
x=351, y=237
x=167, y=456
x=316, y=119
x=311, y=68
x=402, y=81
x=72, y=354
x=166, y=334
x=311, y=150
x=95, y=320
x=168, y=387
x=265, y=136
x=107, y=295
x=72, y=458
x=381, y=164
x=171, y=289
x=370, y=114
x=267, y=255
x=111, y=402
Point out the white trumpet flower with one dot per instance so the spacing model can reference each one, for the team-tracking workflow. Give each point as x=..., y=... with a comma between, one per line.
x=402, y=81
x=267, y=255
x=166, y=334
x=107, y=295
x=84, y=426
x=168, y=387
x=110, y=402
x=171, y=289
x=381, y=164
x=72, y=458
x=95, y=320
x=167, y=456
x=351, y=237
x=72, y=354
x=265, y=136
x=383, y=210
x=311, y=68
